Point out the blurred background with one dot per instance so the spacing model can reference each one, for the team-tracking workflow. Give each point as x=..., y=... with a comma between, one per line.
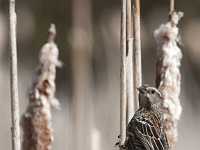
x=88, y=33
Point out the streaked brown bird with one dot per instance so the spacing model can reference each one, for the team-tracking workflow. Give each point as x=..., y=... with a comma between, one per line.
x=145, y=130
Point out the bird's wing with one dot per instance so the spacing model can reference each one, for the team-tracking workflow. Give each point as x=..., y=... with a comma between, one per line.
x=149, y=131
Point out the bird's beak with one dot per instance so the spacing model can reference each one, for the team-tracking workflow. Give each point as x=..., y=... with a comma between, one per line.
x=162, y=97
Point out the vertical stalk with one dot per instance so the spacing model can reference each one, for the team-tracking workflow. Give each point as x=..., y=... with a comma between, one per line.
x=129, y=55
x=137, y=52
x=13, y=79
x=172, y=6
x=123, y=100
x=82, y=84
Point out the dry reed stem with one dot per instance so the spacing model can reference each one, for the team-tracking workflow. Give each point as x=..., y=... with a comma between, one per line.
x=123, y=98
x=82, y=92
x=14, y=79
x=137, y=52
x=172, y=6
x=129, y=59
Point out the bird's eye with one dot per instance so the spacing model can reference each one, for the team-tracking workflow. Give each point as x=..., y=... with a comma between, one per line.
x=152, y=92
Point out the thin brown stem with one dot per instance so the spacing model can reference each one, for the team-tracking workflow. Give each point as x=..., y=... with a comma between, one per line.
x=14, y=80
x=137, y=52
x=123, y=100
x=81, y=69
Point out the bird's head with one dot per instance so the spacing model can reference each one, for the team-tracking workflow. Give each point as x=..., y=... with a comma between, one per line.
x=149, y=96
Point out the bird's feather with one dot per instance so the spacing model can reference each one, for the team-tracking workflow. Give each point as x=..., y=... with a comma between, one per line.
x=148, y=131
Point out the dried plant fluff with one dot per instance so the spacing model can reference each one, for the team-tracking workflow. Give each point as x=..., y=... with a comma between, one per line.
x=36, y=121
x=168, y=77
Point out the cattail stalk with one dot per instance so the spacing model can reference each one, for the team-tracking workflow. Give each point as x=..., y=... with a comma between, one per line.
x=14, y=80
x=172, y=6
x=82, y=49
x=36, y=121
x=129, y=57
x=123, y=98
x=168, y=77
x=137, y=52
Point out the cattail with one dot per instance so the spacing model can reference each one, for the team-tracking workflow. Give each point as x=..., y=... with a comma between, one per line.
x=168, y=77
x=36, y=121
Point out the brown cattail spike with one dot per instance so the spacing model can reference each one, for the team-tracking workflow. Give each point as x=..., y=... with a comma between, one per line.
x=36, y=121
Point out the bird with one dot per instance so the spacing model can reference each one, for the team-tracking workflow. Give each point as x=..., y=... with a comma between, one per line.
x=145, y=130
